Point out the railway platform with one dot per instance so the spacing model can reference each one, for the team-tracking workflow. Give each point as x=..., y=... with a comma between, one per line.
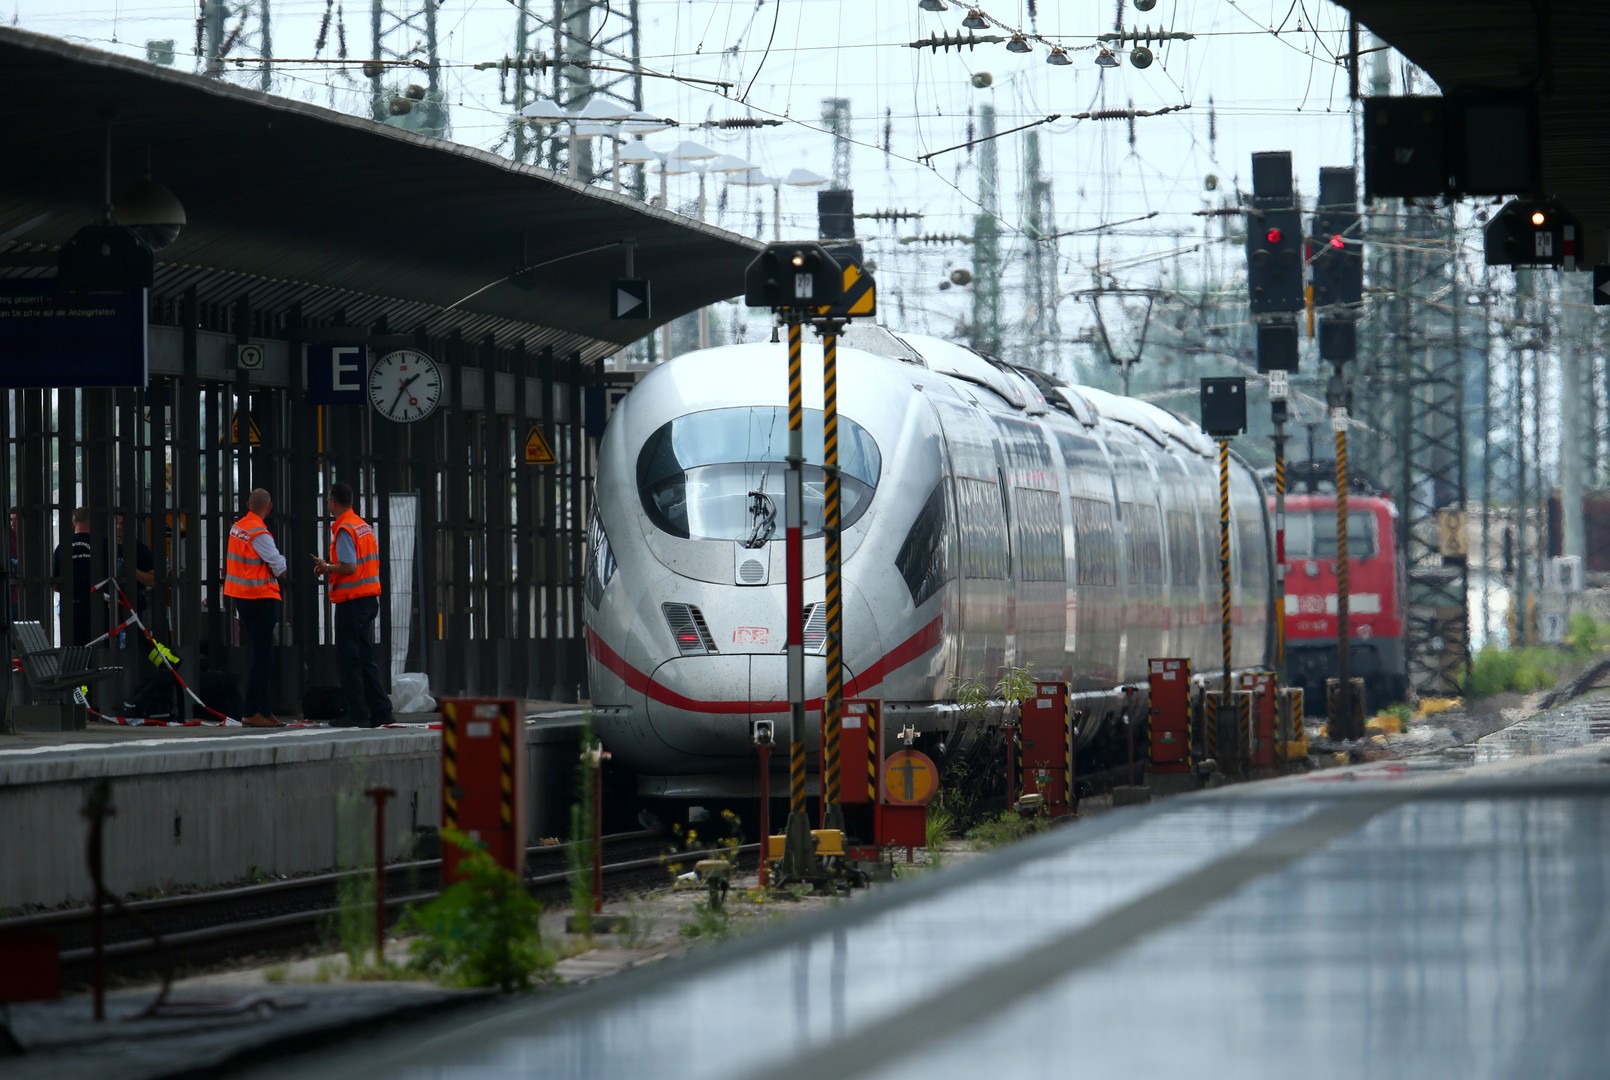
x=206, y=806
x=1438, y=917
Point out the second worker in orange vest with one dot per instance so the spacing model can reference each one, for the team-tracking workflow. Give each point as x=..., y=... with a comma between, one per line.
x=353, y=573
x=252, y=568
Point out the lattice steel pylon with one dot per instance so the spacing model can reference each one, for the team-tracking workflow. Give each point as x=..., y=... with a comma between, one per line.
x=836, y=117
x=230, y=32
x=593, y=52
x=1040, y=325
x=986, y=328
x=1432, y=433
x=402, y=35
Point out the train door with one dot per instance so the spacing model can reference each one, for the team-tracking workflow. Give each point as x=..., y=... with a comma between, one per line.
x=1038, y=572
x=983, y=545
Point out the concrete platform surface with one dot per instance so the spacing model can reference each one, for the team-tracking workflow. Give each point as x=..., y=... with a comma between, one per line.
x=1398, y=919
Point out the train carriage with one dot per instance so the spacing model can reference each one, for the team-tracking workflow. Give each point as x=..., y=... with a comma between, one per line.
x=990, y=519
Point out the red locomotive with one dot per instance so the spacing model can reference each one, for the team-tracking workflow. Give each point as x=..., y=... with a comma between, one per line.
x=1376, y=587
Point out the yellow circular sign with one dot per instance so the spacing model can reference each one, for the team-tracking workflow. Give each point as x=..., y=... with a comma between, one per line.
x=909, y=778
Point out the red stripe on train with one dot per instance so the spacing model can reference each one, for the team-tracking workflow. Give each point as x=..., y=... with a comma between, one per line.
x=913, y=648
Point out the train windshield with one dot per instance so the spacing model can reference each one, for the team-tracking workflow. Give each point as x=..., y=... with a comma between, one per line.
x=718, y=475
x=1311, y=534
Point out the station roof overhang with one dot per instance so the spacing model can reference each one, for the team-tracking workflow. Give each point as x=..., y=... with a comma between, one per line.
x=1553, y=48
x=293, y=205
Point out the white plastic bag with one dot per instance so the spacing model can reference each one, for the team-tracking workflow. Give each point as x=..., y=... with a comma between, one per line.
x=410, y=693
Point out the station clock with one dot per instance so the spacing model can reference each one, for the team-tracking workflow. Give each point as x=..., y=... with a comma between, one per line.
x=405, y=386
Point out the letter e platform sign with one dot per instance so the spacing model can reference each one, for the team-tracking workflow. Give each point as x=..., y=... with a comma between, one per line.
x=335, y=374
x=537, y=450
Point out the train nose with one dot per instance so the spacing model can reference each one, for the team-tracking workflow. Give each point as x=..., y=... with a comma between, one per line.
x=705, y=705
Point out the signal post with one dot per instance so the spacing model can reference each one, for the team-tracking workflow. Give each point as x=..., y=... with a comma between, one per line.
x=1224, y=415
x=1338, y=293
x=794, y=280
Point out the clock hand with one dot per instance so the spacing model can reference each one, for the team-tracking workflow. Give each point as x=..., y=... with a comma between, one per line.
x=402, y=389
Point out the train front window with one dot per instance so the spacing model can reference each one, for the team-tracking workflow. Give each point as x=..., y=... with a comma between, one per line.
x=719, y=475
x=1311, y=534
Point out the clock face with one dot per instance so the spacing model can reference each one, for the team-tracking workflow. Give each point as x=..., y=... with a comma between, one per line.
x=405, y=386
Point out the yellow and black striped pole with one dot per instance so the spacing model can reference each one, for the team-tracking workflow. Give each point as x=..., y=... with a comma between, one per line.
x=872, y=748
x=798, y=862
x=1342, y=725
x=506, y=768
x=1067, y=749
x=1225, y=631
x=795, y=559
x=832, y=698
x=450, y=788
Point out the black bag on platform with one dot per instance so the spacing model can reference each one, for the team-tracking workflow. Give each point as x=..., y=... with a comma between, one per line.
x=324, y=703
x=154, y=698
x=219, y=691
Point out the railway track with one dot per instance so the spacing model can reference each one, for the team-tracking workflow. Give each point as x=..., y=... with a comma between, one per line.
x=219, y=927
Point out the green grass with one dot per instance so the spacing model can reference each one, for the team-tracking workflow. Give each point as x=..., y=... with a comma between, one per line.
x=1494, y=671
x=1008, y=827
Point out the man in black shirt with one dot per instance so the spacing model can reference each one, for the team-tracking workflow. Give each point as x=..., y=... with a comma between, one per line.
x=77, y=578
x=145, y=567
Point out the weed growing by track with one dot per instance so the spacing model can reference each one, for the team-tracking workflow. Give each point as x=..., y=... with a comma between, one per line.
x=481, y=931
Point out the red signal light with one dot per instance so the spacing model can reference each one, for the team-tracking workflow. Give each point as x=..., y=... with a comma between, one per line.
x=1337, y=242
x=1273, y=236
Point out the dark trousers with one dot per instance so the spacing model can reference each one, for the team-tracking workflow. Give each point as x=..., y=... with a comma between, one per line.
x=258, y=618
x=367, y=703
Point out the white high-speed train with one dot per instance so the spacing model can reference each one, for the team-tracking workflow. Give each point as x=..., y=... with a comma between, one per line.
x=991, y=518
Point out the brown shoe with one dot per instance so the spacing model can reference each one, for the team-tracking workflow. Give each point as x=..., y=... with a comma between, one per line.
x=259, y=720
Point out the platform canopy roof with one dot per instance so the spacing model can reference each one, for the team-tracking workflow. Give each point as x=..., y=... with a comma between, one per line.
x=1553, y=48
x=352, y=221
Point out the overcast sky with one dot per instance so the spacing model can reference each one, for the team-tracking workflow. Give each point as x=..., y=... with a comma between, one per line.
x=1258, y=75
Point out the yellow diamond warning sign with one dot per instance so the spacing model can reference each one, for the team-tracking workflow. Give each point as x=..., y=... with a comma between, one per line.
x=859, y=299
x=254, y=434
x=537, y=450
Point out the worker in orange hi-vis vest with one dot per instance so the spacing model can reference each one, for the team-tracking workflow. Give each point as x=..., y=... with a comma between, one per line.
x=353, y=575
x=252, y=568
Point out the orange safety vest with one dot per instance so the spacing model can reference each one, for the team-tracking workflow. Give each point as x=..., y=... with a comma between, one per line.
x=366, y=582
x=246, y=575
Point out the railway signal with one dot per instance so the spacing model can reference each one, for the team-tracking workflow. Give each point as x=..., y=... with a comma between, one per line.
x=1337, y=254
x=1224, y=415
x=795, y=277
x=1274, y=238
x=1532, y=232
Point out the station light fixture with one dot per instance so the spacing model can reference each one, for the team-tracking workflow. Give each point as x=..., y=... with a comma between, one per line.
x=1018, y=44
x=1106, y=59
x=931, y=5
x=975, y=20
x=1058, y=56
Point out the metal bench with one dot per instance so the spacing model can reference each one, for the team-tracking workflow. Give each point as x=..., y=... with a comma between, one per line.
x=52, y=669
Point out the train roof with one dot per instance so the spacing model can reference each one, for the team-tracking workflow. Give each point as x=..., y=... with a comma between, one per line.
x=1035, y=391
x=1030, y=391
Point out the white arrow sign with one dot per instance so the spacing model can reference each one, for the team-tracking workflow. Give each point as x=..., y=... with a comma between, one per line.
x=629, y=298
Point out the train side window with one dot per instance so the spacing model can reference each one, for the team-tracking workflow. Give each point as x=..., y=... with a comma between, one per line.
x=921, y=562
x=1039, y=536
x=600, y=561
x=1145, y=545
x=1184, y=547
x=1095, y=543
x=982, y=530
